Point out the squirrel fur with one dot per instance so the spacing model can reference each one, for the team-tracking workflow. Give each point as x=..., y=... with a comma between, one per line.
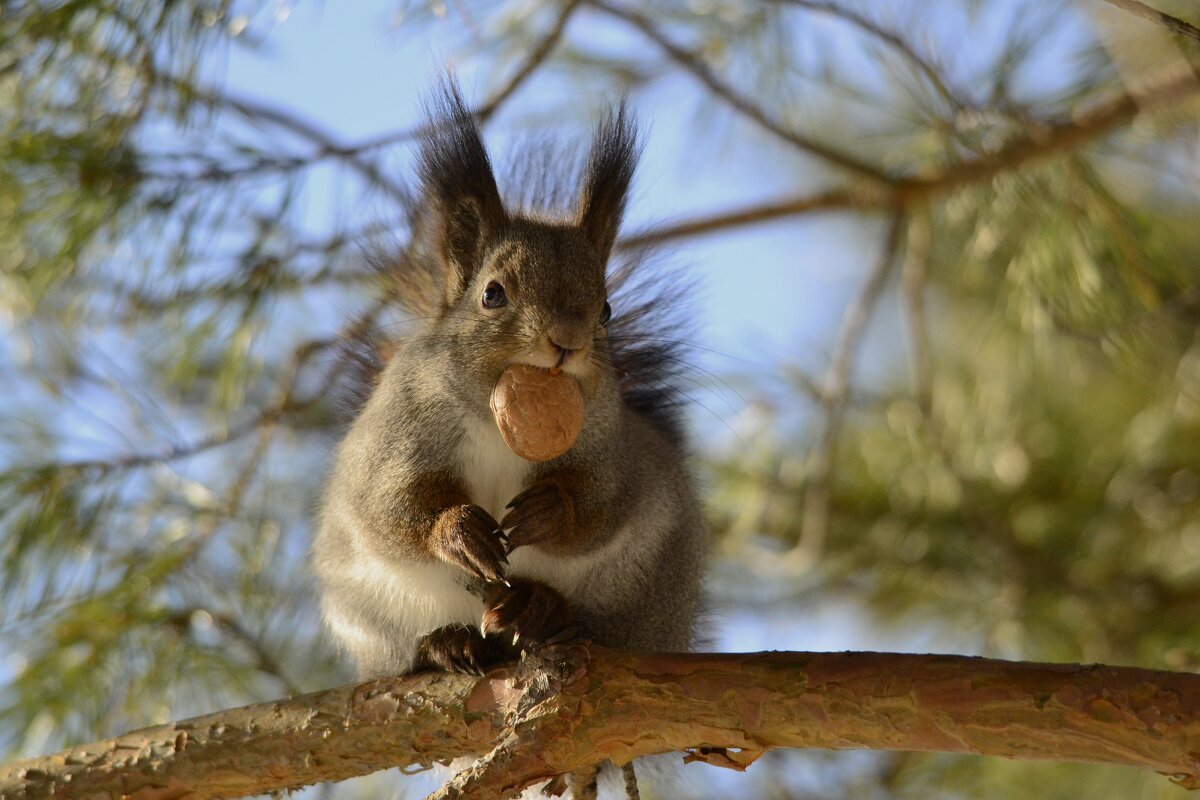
x=432, y=532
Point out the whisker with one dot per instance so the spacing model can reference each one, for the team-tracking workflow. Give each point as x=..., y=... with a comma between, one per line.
x=692, y=399
x=710, y=386
x=685, y=344
x=712, y=376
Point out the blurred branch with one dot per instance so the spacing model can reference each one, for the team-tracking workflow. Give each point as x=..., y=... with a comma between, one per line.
x=233, y=433
x=855, y=199
x=1044, y=140
x=257, y=267
x=540, y=718
x=353, y=152
x=256, y=111
x=835, y=391
x=1173, y=24
x=537, y=55
x=914, y=275
x=890, y=38
x=694, y=64
x=229, y=627
x=234, y=289
x=284, y=405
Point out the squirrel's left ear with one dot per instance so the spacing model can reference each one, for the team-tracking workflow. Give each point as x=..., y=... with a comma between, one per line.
x=459, y=188
x=606, y=184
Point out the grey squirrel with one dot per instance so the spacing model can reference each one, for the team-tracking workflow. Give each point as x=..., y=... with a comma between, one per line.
x=438, y=547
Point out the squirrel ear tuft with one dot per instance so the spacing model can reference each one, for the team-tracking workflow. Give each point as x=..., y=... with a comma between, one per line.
x=458, y=185
x=610, y=170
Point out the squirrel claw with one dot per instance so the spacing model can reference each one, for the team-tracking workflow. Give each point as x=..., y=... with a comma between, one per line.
x=528, y=611
x=540, y=513
x=456, y=648
x=465, y=536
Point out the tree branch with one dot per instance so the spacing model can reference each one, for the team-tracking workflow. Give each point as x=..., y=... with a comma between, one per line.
x=835, y=394
x=892, y=39
x=739, y=102
x=915, y=276
x=1079, y=129
x=285, y=404
x=1173, y=24
x=570, y=707
x=327, y=146
x=862, y=199
x=534, y=59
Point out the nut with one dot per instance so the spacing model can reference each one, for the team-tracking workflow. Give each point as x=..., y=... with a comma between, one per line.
x=539, y=412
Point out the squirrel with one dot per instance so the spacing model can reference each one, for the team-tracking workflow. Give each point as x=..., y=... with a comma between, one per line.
x=440, y=548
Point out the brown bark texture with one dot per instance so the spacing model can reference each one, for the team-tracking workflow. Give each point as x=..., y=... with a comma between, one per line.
x=572, y=706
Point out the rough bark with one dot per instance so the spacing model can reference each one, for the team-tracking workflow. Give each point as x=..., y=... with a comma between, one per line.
x=570, y=707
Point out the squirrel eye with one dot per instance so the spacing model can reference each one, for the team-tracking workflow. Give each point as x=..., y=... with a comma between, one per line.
x=606, y=313
x=494, y=297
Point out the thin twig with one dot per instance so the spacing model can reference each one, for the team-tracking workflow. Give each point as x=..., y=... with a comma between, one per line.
x=739, y=102
x=914, y=275
x=283, y=406
x=632, y=792
x=835, y=391
x=1173, y=24
x=265, y=662
x=141, y=303
x=889, y=37
x=1078, y=127
x=352, y=154
x=257, y=111
x=536, y=57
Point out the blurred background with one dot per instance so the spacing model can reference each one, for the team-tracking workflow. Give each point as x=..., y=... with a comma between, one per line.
x=941, y=270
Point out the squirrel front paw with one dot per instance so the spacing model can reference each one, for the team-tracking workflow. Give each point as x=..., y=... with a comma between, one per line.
x=458, y=648
x=528, y=610
x=541, y=513
x=467, y=537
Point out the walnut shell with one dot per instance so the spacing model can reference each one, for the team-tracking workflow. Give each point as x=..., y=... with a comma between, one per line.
x=539, y=414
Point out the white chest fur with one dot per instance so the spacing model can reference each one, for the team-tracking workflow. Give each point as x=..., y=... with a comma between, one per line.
x=494, y=474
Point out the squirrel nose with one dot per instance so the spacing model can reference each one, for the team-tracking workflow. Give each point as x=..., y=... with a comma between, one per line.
x=566, y=342
x=567, y=339
x=562, y=352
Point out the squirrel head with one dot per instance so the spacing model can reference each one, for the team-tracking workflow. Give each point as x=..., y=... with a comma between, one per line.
x=515, y=288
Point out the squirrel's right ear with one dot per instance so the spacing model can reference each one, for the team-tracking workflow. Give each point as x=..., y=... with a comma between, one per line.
x=458, y=187
x=606, y=183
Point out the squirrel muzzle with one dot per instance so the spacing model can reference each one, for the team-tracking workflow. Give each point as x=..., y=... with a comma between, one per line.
x=568, y=344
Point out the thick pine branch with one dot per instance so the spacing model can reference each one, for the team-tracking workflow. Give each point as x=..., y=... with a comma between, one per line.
x=570, y=707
